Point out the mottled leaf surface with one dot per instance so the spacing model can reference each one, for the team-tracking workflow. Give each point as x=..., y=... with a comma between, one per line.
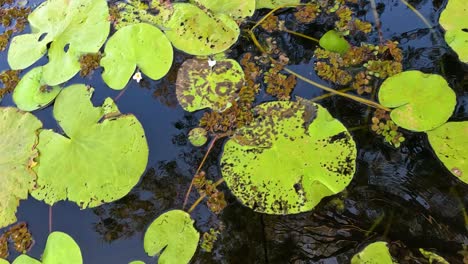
x=18, y=149
x=100, y=157
x=275, y=3
x=139, y=45
x=421, y=101
x=173, y=237
x=375, y=253
x=454, y=19
x=200, y=86
x=450, y=142
x=32, y=93
x=73, y=28
x=233, y=8
x=289, y=158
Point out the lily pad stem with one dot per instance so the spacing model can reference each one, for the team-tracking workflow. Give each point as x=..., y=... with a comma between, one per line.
x=198, y=201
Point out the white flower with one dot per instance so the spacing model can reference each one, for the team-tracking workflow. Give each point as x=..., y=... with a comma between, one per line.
x=211, y=63
x=137, y=76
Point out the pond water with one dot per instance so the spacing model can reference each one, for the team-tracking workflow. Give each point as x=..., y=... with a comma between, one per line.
x=404, y=196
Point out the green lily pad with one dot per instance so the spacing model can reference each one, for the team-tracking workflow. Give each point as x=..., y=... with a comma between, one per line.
x=173, y=234
x=275, y=3
x=139, y=45
x=376, y=252
x=449, y=142
x=197, y=136
x=233, y=8
x=4, y=261
x=135, y=11
x=60, y=248
x=200, y=85
x=137, y=262
x=74, y=28
x=289, y=158
x=334, y=41
x=454, y=19
x=32, y=93
x=99, y=159
x=422, y=101
x=19, y=138
x=196, y=32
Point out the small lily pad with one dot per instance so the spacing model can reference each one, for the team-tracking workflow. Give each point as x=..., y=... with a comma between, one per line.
x=289, y=158
x=421, y=101
x=139, y=45
x=200, y=85
x=197, y=136
x=74, y=28
x=275, y=3
x=99, y=159
x=233, y=8
x=18, y=147
x=137, y=262
x=334, y=41
x=450, y=142
x=454, y=19
x=25, y=259
x=196, y=32
x=375, y=253
x=173, y=234
x=32, y=93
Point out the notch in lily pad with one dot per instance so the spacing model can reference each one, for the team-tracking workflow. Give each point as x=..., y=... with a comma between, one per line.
x=420, y=101
x=172, y=237
x=334, y=41
x=135, y=45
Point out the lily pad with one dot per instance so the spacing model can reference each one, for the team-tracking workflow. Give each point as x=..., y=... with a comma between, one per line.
x=376, y=252
x=197, y=136
x=454, y=19
x=137, y=262
x=289, y=158
x=275, y=3
x=3, y=261
x=19, y=138
x=450, y=142
x=60, y=248
x=233, y=8
x=139, y=45
x=74, y=28
x=422, y=101
x=99, y=159
x=197, y=32
x=200, y=85
x=333, y=41
x=32, y=93
x=173, y=234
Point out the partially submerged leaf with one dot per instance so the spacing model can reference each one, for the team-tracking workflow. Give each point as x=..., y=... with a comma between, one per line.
x=375, y=253
x=200, y=85
x=275, y=3
x=233, y=8
x=197, y=136
x=18, y=132
x=454, y=19
x=173, y=234
x=421, y=101
x=74, y=28
x=333, y=41
x=101, y=157
x=32, y=93
x=450, y=142
x=289, y=158
x=139, y=45
x=196, y=32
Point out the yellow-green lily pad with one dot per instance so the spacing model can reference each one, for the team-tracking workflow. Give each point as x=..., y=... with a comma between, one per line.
x=275, y=3
x=421, y=101
x=454, y=19
x=334, y=41
x=289, y=158
x=375, y=253
x=234, y=8
x=450, y=142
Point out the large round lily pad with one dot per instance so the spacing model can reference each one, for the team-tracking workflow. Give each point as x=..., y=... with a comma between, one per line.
x=454, y=19
x=233, y=8
x=200, y=85
x=99, y=159
x=32, y=93
x=18, y=140
x=139, y=45
x=375, y=253
x=422, y=101
x=173, y=234
x=290, y=157
x=196, y=32
x=74, y=28
x=450, y=142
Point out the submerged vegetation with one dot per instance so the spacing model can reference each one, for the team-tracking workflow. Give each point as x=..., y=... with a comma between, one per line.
x=279, y=157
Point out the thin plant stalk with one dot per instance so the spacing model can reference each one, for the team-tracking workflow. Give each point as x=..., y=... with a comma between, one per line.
x=378, y=25
x=200, y=199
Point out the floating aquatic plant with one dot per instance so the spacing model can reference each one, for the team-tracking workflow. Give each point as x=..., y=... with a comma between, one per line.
x=99, y=159
x=18, y=145
x=13, y=18
x=454, y=19
x=172, y=237
x=274, y=3
x=72, y=28
x=374, y=253
x=237, y=9
x=197, y=136
x=333, y=41
x=89, y=62
x=9, y=79
x=19, y=237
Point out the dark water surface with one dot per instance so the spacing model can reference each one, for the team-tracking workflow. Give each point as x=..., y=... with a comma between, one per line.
x=404, y=196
